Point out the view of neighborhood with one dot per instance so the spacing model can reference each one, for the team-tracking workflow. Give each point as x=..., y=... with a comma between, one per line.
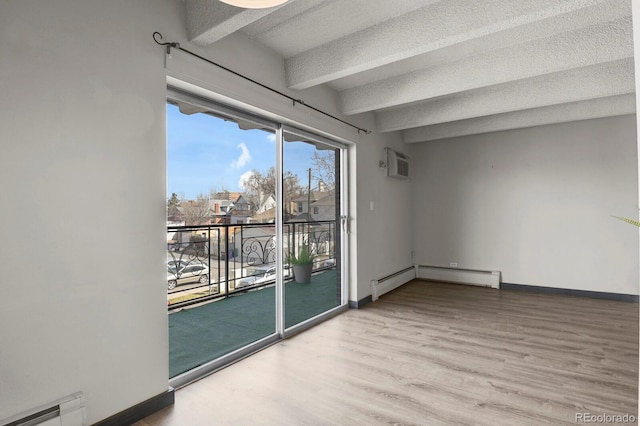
x=222, y=239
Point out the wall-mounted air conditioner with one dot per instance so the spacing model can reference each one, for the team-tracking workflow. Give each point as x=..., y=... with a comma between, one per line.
x=398, y=164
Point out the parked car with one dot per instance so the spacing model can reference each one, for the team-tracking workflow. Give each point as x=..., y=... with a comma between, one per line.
x=181, y=272
x=261, y=275
x=179, y=263
x=329, y=263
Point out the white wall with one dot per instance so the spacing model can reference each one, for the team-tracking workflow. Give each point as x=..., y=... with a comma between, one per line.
x=83, y=220
x=384, y=233
x=534, y=203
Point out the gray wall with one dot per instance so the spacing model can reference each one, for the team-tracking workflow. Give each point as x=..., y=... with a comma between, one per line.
x=535, y=204
x=82, y=223
x=383, y=233
x=83, y=220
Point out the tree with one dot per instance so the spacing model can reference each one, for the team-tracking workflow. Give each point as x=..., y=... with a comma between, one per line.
x=196, y=212
x=259, y=186
x=324, y=168
x=172, y=205
x=174, y=201
x=291, y=190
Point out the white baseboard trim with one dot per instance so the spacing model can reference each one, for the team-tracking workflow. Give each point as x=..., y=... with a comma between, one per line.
x=390, y=282
x=458, y=275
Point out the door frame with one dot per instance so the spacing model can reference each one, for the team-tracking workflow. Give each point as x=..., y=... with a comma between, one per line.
x=279, y=126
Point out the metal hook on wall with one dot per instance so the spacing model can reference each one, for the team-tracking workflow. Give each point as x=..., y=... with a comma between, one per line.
x=168, y=44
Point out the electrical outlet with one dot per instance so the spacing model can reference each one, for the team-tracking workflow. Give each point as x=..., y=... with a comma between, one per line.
x=453, y=264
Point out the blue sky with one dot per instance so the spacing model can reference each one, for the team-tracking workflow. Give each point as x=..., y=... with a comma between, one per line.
x=204, y=152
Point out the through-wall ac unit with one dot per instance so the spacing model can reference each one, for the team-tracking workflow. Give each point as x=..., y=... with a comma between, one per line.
x=398, y=164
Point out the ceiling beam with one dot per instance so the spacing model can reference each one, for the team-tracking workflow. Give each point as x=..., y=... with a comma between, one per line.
x=609, y=79
x=554, y=114
x=208, y=21
x=609, y=41
x=316, y=22
x=451, y=23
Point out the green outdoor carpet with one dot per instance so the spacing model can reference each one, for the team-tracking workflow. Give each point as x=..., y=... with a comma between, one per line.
x=201, y=334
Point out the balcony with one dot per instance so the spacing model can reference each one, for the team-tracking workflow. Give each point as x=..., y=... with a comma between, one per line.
x=221, y=286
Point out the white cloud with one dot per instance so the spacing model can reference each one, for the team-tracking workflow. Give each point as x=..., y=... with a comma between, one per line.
x=244, y=158
x=244, y=178
x=271, y=137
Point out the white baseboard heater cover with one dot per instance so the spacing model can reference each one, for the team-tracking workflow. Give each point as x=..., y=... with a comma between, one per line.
x=390, y=282
x=67, y=411
x=458, y=275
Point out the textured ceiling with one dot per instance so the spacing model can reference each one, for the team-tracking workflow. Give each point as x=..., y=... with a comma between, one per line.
x=437, y=69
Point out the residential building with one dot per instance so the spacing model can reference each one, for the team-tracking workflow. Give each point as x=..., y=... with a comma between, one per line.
x=241, y=210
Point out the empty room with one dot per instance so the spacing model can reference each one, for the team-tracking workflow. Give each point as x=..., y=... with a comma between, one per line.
x=319, y=212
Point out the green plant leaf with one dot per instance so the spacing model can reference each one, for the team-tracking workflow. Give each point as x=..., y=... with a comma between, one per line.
x=304, y=257
x=626, y=219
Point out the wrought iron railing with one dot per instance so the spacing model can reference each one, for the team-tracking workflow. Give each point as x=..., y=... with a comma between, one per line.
x=213, y=261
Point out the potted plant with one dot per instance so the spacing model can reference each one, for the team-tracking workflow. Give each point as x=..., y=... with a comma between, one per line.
x=302, y=264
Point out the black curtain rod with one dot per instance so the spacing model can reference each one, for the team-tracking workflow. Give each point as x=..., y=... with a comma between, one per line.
x=295, y=101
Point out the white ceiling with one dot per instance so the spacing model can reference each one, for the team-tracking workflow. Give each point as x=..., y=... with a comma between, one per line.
x=434, y=69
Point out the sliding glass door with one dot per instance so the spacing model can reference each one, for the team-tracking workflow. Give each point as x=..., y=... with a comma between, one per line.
x=220, y=233
x=311, y=225
x=248, y=200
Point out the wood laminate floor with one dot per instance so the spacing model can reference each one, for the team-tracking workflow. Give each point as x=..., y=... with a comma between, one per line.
x=433, y=354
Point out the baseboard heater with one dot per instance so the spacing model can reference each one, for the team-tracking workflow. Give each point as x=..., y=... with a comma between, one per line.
x=67, y=411
x=390, y=282
x=459, y=275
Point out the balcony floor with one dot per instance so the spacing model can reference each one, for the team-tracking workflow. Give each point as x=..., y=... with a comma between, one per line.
x=203, y=333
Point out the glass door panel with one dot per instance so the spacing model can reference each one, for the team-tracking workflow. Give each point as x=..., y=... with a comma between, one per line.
x=311, y=228
x=247, y=204
x=221, y=230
